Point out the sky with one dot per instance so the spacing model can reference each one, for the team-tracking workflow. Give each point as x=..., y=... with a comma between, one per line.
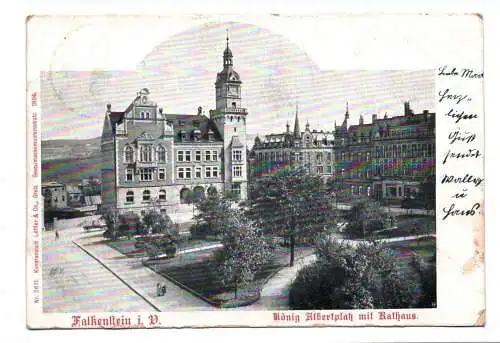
x=319, y=65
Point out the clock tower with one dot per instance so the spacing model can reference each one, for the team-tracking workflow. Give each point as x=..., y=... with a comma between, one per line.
x=230, y=119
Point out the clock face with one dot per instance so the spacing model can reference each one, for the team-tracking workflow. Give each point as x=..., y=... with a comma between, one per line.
x=232, y=90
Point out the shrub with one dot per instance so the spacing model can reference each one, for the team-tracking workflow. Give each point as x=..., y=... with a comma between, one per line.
x=347, y=277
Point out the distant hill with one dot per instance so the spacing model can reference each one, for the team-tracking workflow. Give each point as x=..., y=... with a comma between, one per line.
x=71, y=160
x=70, y=148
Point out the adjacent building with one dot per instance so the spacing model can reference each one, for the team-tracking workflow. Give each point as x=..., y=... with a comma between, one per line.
x=54, y=195
x=155, y=158
x=387, y=159
x=310, y=149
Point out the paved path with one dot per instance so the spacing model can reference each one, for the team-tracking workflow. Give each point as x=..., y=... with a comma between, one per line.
x=74, y=282
x=274, y=294
x=142, y=279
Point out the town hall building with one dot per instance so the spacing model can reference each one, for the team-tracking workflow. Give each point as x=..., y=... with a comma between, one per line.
x=152, y=158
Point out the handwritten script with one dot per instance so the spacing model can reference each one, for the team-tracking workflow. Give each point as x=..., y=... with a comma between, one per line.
x=461, y=103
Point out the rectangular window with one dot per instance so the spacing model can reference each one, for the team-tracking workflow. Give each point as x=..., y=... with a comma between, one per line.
x=180, y=156
x=184, y=172
x=319, y=156
x=319, y=169
x=214, y=155
x=130, y=175
x=236, y=188
x=197, y=172
x=146, y=174
x=208, y=171
x=215, y=171
x=207, y=155
x=237, y=171
x=237, y=155
x=161, y=174
x=329, y=169
x=329, y=156
x=187, y=156
x=197, y=156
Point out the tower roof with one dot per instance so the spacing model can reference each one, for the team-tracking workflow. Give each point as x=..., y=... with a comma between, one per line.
x=296, y=128
x=227, y=53
x=228, y=73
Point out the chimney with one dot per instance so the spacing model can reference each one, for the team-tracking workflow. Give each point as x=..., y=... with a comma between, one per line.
x=361, y=120
x=108, y=106
x=374, y=117
x=408, y=110
x=200, y=110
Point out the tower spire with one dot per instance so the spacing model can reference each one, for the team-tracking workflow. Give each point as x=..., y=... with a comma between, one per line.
x=346, y=114
x=227, y=38
x=296, y=129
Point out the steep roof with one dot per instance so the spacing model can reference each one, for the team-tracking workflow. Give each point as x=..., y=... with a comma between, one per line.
x=186, y=123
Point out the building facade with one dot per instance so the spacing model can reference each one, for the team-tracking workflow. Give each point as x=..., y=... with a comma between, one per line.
x=162, y=160
x=387, y=159
x=310, y=149
x=54, y=195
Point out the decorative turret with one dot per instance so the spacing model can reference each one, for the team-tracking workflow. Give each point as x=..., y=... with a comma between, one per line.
x=296, y=128
x=346, y=116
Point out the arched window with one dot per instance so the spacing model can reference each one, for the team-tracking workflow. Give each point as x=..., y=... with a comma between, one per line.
x=161, y=154
x=130, y=196
x=162, y=195
x=146, y=195
x=129, y=154
x=185, y=196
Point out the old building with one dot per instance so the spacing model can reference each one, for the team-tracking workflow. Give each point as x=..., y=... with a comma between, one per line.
x=311, y=149
x=160, y=159
x=54, y=195
x=387, y=159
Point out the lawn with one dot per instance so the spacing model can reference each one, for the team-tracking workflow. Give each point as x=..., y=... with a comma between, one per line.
x=424, y=247
x=127, y=247
x=410, y=225
x=197, y=271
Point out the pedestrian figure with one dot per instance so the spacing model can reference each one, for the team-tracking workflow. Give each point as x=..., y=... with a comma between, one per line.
x=57, y=234
x=163, y=289
x=158, y=289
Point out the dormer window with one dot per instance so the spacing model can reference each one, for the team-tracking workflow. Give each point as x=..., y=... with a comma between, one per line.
x=197, y=135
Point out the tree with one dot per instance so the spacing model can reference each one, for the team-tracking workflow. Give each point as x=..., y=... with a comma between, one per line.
x=352, y=277
x=364, y=217
x=110, y=217
x=214, y=215
x=291, y=203
x=158, y=222
x=428, y=193
x=245, y=252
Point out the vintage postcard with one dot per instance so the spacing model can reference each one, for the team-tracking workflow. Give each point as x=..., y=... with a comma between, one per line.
x=255, y=171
